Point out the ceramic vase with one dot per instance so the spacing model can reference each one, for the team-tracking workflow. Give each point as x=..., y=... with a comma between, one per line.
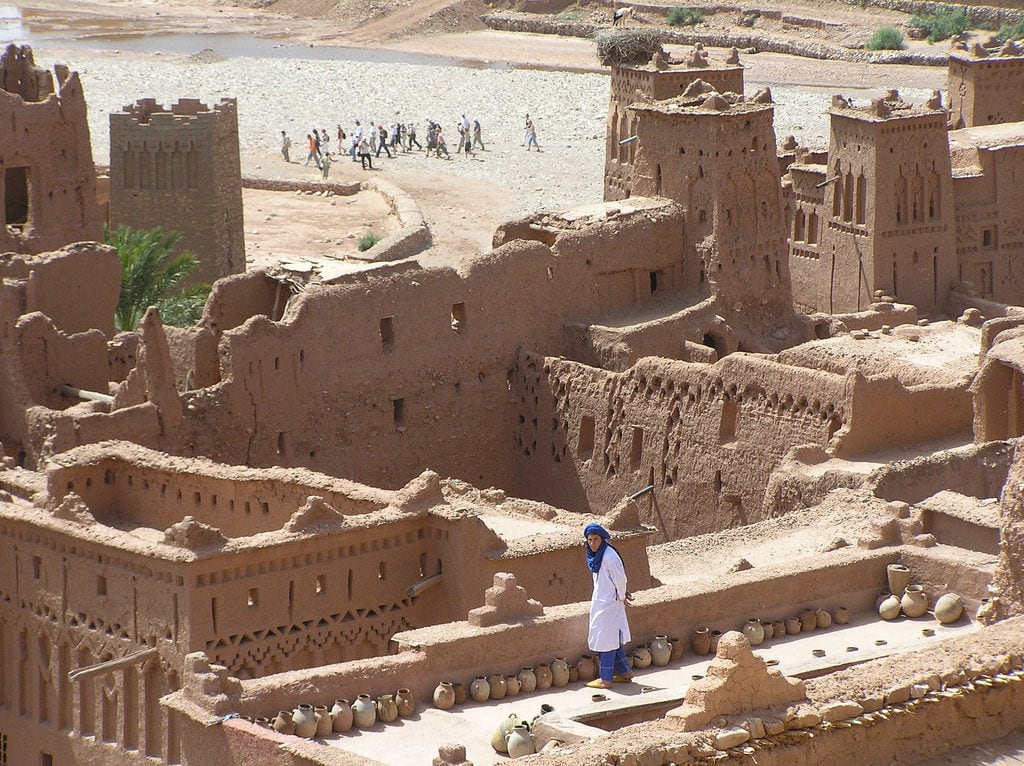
x=678, y=647
x=715, y=636
x=769, y=630
x=841, y=616
x=889, y=609
x=661, y=652
x=444, y=696
x=702, y=641
x=823, y=617
x=500, y=735
x=341, y=715
x=641, y=657
x=387, y=708
x=779, y=628
x=527, y=680
x=498, y=686
x=559, y=672
x=461, y=693
x=364, y=712
x=480, y=690
x=915, y=601
x=574, y=674
x=754, y=631
x=520, y=742
x=898, y=576
x=324, y=722
x=808, y=620
x=544, y=677
x=305, y=721
x=406, y=703
x=283, y=723
x=793, y=625
x=512, y=686
x=587, y=667
x=948, y=608
x=882, y=596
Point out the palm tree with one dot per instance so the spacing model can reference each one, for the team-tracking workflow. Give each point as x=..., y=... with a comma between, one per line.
x=150, y=274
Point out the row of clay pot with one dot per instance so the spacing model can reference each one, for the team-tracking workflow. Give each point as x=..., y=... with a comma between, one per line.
x=496, y=686
x=317, y=721
x=659, y=652
x=705, y=640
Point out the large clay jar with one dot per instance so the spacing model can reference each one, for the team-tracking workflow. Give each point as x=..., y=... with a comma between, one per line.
x=823, y=617
x=641, y=657
x=406, y=702
x=341, y=715
x=559, y=672
x=793, y=625
x=702, y=641
x=544, y=676
x=387, y=708
x=364, y=712
x=661, y=652
x=779, y=628
x=527, y=680
x=914, y=601
x=500, y=735
x=324, y=723
x=283, y=723
x=715, y=636
x=841, y=616
x=461, y=693
x=899, y=578
x=512, y=686
x=677, y=646
x=754, y=631
x=949, y=608
x=587, y=667
x=305, y=721
x=889, y=609
x=808, y=621
x=480, y=690
x=769, y=630
x=444, y=696
x=498, y=687
x=520, y=741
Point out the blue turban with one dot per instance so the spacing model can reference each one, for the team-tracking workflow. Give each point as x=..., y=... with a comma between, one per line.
x=594, y=559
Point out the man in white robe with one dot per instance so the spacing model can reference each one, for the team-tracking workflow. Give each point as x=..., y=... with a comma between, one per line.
x=609, y=630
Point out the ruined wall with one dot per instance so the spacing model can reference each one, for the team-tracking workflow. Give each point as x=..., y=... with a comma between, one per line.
x=48, y=183
x=986, y=86
x=179, y=170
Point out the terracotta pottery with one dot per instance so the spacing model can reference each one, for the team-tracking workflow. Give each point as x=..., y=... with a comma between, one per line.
x=480, y=690
x=823, y=617
x=512, y=686
x=527, y=680
x=948, y=608
x=702, y=641
x=793, y=625
x=587, y=667
x=641, y=657
x=461, y=693
x=406, y=702
x=444, y=696
x=754, y=631
x=559, y=672
x=341, y=715
x=678, y=648
x=841, y=616
x=889, y=609
x=364, y=712
x=661, y=652
x=574, y=674
x=808, y=620
x=305, y=721
x=914, y=601
x=283, y=723
x=262, y=721
x=544, y=676
x=498, y=686
x=387, y=708
x=520, y=741
x=769, y=630
x=882, y=596
x=324, y=723
x=779, y=628
x=500, y=735
x=899, y=577
x=715, y=635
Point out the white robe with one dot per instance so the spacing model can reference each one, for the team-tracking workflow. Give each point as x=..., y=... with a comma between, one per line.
x=608, y=627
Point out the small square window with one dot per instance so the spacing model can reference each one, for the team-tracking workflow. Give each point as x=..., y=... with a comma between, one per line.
x=321, y=584
x=101, y=585
x=387, y=332
x=254, y=597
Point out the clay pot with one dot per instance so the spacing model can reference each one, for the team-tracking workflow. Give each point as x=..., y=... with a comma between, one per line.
x=754, y=631
x=263, y=721
x=520, y=741
x=324, y=723
x=915, y=601
x=387, y=708
x=587, y=667
x=527, y=680
x=544, y=676
x=341, y=715
x=808, y=620
x=480, y=690
x=498, y=687
x=406, y=702
x=364, y=712
x=559, y=672
x=882, y=596
x=642, y=657
x=283, y=723
x=823, y=617
x=948, y=608
x=512, y=686
x=677, y=646
x=444, y=696
x=715, y=636
x=702, y=641
x=574, y=674
x=841, y=616
x=661, y=652
x=500, y=735
x=779, y=628
x=305, y=721
x=793, y=625
x=769, y=630
x=461, y=693
x=889, y=609
x=898, y=576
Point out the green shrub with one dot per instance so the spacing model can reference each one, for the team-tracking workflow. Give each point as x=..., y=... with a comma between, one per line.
x=1011, y=31
x=942, y=24
x=685, y=17
x=368, y=240
x=886, y=39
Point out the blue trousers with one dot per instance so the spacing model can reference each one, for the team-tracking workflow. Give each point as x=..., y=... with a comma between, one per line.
x=612, y=663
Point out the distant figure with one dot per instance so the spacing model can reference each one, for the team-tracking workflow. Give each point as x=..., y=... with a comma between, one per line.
x=531, y=134
x=476, y=134
x=325, y=164
x=364, y=153
x=621, y=14
x=286, y=145
x=311, y=144
x=411, y=133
